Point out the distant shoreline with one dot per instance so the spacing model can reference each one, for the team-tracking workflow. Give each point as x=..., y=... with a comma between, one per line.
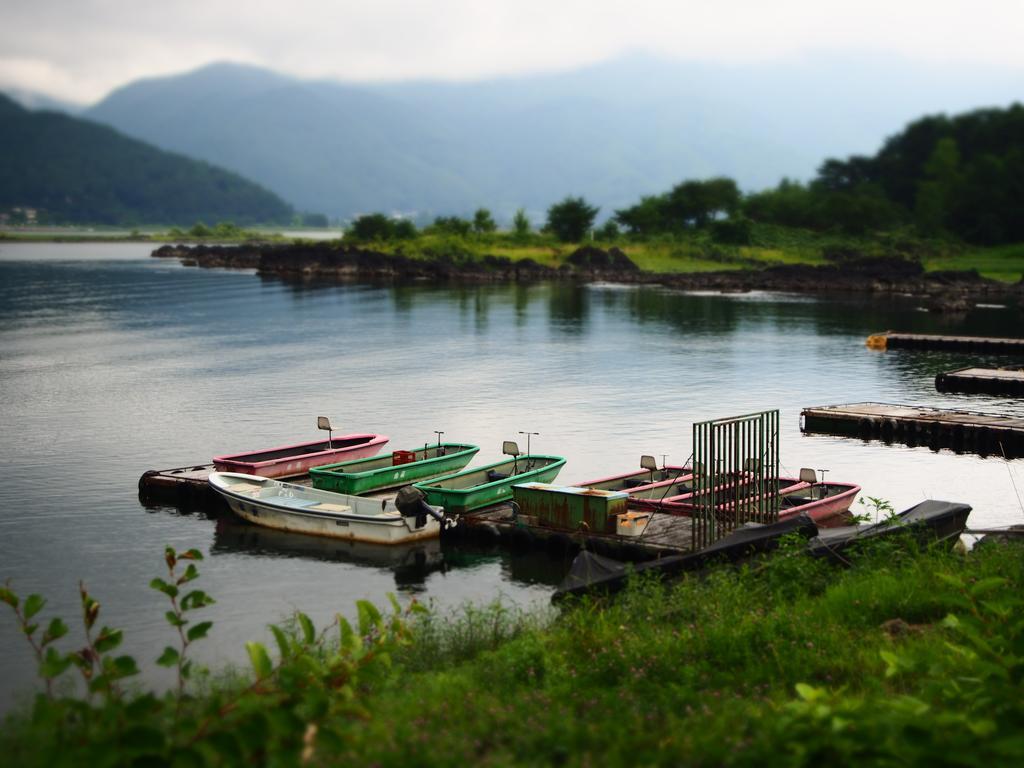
x=321, y=263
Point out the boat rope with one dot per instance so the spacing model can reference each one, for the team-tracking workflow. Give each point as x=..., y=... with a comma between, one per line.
x=1010, y=472
x=679, y=474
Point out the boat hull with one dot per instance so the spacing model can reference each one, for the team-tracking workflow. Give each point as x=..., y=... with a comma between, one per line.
x=298, y=459
x=828, y=512
x=351, y=478
x=287, y=507
x=459, y=501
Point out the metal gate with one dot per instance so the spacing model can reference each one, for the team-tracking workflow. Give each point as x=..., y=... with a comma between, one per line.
x=736, y=471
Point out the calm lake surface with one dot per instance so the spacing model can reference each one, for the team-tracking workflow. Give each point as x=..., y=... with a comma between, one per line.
x=112, y=363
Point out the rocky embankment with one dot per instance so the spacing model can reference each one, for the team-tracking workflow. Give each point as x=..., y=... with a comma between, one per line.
x=941, y=291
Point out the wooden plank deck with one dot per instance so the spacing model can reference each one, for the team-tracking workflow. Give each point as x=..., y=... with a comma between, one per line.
x=891, y=340
x=992, y=381
x=963, y=431
x=664, y=535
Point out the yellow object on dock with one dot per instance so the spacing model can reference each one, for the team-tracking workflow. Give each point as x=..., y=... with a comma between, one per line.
x=632, y=523
x=877, y=341
x=927, y=341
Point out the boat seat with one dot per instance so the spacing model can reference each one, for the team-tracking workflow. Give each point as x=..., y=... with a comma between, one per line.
x=635, y=483
x=494, y=475
x=330, y=507
x=251, y=488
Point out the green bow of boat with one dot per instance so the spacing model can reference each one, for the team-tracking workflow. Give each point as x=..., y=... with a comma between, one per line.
x=491, y=484
x=381, y=472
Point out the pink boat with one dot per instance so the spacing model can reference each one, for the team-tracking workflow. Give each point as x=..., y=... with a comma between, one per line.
x=649, y=475
x=827, y=504
x=289, y=460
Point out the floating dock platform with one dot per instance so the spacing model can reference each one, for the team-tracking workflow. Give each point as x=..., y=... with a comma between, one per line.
x=189, y=487
x=182, y=486
x=664, y=535
x=890, y=340
x=962, y=431
x=989, y=381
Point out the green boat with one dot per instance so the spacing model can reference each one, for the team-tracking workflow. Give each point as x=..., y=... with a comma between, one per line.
x=491, y=484
x=392, y=470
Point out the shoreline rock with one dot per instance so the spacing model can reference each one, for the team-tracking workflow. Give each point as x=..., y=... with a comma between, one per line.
x=312, y=262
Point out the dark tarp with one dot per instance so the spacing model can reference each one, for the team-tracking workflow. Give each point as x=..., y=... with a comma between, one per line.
x=593, y=573
x=931, y=520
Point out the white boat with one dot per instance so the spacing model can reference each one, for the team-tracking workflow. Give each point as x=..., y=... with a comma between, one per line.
x=290, y=507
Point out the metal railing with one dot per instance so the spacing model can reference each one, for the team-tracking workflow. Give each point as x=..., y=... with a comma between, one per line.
x=736, y=474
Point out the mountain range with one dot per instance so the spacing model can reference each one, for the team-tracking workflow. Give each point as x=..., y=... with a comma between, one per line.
x=77, y=171
x=611, y=132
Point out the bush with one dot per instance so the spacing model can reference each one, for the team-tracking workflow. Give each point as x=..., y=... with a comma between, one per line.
x=736, y=230
x=571, y=219
x=378, y=227
x=452, y=225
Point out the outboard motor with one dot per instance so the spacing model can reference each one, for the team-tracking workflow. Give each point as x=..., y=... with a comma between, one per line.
x=412, y=502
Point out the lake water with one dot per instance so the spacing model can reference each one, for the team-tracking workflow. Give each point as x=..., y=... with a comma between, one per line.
x=112, y=363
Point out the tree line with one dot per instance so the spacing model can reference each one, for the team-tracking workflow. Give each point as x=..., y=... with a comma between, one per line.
x=959, y=177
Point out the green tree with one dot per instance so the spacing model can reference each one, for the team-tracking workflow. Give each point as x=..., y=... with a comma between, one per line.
x=571, y=219
x=404, y=229
x=647, y=217
x=936, y=190
x=371, y=226
x=483, y=222
x=790, y=204
x=521, y=225
x=698, y=203
x=608, y=231
x=452, y=225
x=200, y=230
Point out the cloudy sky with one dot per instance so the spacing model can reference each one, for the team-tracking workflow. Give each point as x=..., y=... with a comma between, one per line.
x=80, y=49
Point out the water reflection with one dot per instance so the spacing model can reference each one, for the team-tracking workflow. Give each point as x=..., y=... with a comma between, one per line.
x=411, y=564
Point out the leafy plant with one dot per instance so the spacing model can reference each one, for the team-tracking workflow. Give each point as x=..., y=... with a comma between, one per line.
x=875, y=510
x=193, y=600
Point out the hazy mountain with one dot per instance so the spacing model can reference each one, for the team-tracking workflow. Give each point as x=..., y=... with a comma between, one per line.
x=611, y=132
x=77, y=171
x=35, y=100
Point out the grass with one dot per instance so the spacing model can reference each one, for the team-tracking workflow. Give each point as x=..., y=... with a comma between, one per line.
x=723, y=670
x=907, y=657
x=1004, y=263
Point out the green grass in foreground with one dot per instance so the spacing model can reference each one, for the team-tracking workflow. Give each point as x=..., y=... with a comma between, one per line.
x=905, y=658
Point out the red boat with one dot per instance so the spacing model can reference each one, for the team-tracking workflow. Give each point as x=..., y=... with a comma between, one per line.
x=297, y=459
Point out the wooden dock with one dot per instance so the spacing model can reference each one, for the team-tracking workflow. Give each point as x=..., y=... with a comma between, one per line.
x=989, y=381
x=890, y=340
x=665, y=535
x=188, y=487
x=963, y=431
x=182, y=486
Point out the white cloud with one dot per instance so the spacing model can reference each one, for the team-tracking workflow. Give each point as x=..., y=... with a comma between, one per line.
x=80, y=49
